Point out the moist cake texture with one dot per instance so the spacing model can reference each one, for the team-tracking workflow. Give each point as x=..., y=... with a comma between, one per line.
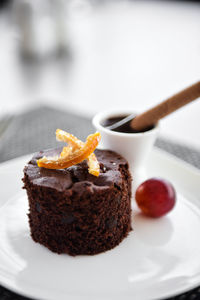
x=74, y=212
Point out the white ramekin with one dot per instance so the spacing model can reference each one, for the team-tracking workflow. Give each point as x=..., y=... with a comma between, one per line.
x=135, y=147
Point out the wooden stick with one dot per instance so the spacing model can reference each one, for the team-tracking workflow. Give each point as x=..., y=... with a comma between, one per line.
x=153, y=115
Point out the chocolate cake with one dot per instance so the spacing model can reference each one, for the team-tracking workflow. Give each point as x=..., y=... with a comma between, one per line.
x=74, y=212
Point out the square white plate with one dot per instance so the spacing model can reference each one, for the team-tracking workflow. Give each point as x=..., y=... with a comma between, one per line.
x=160, y=257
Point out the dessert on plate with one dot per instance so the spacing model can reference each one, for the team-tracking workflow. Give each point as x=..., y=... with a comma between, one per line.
x=79, y=200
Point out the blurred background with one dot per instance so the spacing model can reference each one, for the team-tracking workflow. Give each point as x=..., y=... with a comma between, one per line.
x=84, y=56
x=62, y=61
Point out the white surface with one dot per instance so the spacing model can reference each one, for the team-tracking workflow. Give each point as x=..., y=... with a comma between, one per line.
x=159, y=258
x=125, y=54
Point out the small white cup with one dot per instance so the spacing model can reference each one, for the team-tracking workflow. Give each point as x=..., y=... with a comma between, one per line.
x=135, y=147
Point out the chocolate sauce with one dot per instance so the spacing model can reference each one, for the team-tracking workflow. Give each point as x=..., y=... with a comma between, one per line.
x=126, y=128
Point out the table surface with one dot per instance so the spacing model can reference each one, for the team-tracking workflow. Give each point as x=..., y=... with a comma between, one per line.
x=122, y=54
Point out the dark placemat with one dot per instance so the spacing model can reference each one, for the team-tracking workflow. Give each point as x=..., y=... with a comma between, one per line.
x=35, y=130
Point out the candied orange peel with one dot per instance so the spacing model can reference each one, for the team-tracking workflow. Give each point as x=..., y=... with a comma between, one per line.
x=74, y=153
x=75, y=143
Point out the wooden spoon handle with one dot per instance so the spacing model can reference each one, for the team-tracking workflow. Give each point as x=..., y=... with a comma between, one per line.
x=151, y=116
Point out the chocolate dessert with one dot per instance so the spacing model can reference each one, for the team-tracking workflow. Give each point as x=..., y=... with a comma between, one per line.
x=74, y=212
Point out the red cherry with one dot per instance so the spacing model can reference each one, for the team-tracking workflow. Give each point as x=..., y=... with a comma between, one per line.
x=155, y=197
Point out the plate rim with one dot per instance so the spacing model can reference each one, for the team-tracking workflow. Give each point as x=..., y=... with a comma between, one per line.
x=155, y=151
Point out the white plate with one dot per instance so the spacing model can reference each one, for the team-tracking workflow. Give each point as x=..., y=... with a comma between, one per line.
x=160, y=258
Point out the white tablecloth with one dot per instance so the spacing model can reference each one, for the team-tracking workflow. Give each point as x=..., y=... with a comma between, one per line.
x=125, y=54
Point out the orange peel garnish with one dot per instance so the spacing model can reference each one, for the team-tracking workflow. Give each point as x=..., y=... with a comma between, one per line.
x=76, y=152
x=75, y=143
x=70, y=139
x=93, y=165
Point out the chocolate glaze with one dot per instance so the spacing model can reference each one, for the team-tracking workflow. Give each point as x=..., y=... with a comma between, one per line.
x=126, y=128
x=71, y=177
